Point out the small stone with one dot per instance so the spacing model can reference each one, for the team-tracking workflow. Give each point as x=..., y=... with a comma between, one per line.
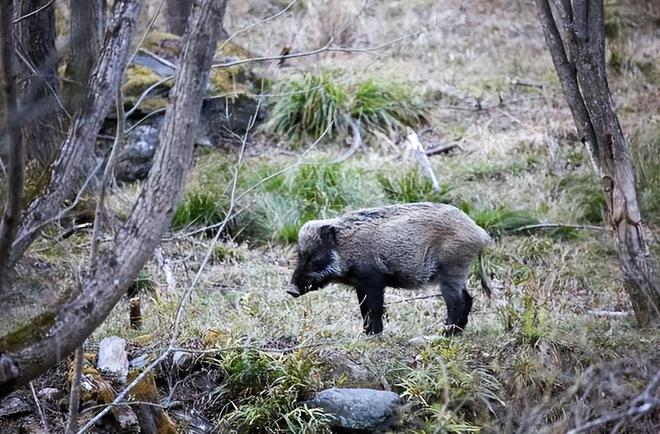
x=113, y=359
x=422, y=341
x=357, y=409
x=48, y=393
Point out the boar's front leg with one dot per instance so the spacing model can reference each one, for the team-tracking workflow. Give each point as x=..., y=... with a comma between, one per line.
x=370, y=298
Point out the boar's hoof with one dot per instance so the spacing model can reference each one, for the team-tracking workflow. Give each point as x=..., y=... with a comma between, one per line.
x=452, y=330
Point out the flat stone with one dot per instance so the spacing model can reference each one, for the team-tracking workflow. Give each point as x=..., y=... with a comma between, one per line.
x=357, y=409
x=113, y=359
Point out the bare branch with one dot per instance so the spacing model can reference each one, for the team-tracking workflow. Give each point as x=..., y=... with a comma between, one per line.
x=34, y=12
x=559, y=226
x=74, y=395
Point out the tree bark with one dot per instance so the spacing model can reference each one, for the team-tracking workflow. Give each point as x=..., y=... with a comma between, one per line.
x=583, y=77
x=42, y=126
x=69, y=171
x=151, y=216
x=178, y=12
x=16, y=159
x=85, y=42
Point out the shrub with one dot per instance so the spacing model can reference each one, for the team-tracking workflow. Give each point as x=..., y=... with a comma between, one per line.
x=499, y=221
x=306, y=107
x=586, y=200
x=646, y=158
x=412, y=187
x=309, y=106
x=198, y=209
x=263, y=391
x=387, y=107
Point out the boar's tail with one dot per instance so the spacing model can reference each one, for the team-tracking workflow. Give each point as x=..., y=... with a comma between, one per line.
x=483, y=275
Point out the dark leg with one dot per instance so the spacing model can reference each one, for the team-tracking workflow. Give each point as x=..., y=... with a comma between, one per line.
x=371, y=307
x=458, y=301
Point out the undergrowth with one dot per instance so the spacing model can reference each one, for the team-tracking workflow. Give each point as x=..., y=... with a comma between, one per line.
x=309, y=106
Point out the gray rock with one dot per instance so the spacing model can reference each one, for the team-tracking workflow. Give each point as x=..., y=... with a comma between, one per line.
x=135, y=160
x=422, y=341
x=358, y=409
x=15, y=405
x=113, y=359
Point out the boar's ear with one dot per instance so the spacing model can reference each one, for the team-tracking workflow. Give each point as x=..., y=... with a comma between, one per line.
x=328, y=233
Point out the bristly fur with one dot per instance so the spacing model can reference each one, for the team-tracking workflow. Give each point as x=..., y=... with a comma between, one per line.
x=403, y=246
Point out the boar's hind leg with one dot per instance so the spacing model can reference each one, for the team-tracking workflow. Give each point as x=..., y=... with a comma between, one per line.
x=457, y=299
x=370, y=298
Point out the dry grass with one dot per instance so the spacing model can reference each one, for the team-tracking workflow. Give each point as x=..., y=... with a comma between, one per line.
x=533, y=358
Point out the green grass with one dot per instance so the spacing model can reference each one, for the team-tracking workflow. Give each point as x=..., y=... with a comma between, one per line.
x=498, y=221
x=585, y=199
x=265, y=390
x=412, y=187
x=308, y=106
x=646, y=159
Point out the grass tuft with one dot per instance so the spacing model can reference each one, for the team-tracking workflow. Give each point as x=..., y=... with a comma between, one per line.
x=412, y=187
x=308, y=106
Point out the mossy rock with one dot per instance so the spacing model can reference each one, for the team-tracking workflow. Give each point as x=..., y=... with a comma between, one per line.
x=138, y=79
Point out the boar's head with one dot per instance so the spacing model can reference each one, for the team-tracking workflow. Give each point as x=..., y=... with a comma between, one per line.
x=318, y=261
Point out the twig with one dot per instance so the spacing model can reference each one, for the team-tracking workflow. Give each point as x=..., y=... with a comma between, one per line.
x=423, y=160
x=42, y=415
x=558, y=226
x=152, y=21
x=357, y=142
x=74, y=395
x=607, y=313
x=421, y=297
x=157, y=58
x=73, y=229
x=644, y=403
x=146, y=92
x=184, y=298
x=34, y=12
x=441, y=149
x=258, y=23
x=163, y=263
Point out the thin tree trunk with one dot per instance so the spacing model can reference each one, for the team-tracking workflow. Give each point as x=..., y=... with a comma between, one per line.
x=36, y=34
x=68, y=174
x=85, y=41
x=583, y=77
x=16, y=159
x=178, y=12
x=136, y=240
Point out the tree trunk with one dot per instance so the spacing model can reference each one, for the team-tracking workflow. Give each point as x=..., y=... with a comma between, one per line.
x=583, y=77
x=150, y=217
x=68, y=173
x=42, y=126
x=85, y=41
x=16, y=159
x=178, y=12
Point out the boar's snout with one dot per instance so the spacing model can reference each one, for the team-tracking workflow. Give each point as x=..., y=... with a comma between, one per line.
x=293, y=291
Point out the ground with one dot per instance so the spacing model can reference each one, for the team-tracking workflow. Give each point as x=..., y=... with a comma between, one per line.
x=556, y=345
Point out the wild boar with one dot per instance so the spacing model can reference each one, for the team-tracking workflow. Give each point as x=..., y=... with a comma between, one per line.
x=400, y=246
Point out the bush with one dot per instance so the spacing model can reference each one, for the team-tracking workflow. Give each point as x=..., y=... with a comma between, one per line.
x=646, y=158
x=499, y=221
x=308, y=106
x=263, y=391
x=412, y=187
x=387, y=107
x=198, y=209
x=586, y=200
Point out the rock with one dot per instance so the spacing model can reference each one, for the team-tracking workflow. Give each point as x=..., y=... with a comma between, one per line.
x=113, y=359
x=182, y=360
x=14, y=406
x=358, y=409
x=422, y=341
x=225, y=121
x=194, y=422
x=135, y=160
x=48, y=393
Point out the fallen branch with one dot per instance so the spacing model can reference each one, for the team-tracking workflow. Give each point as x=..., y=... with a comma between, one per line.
x=423, y=160
x=558, y=226
x=40, y=409
x=441, y=149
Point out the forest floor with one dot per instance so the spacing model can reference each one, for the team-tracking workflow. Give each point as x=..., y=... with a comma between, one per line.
x=555, y=347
